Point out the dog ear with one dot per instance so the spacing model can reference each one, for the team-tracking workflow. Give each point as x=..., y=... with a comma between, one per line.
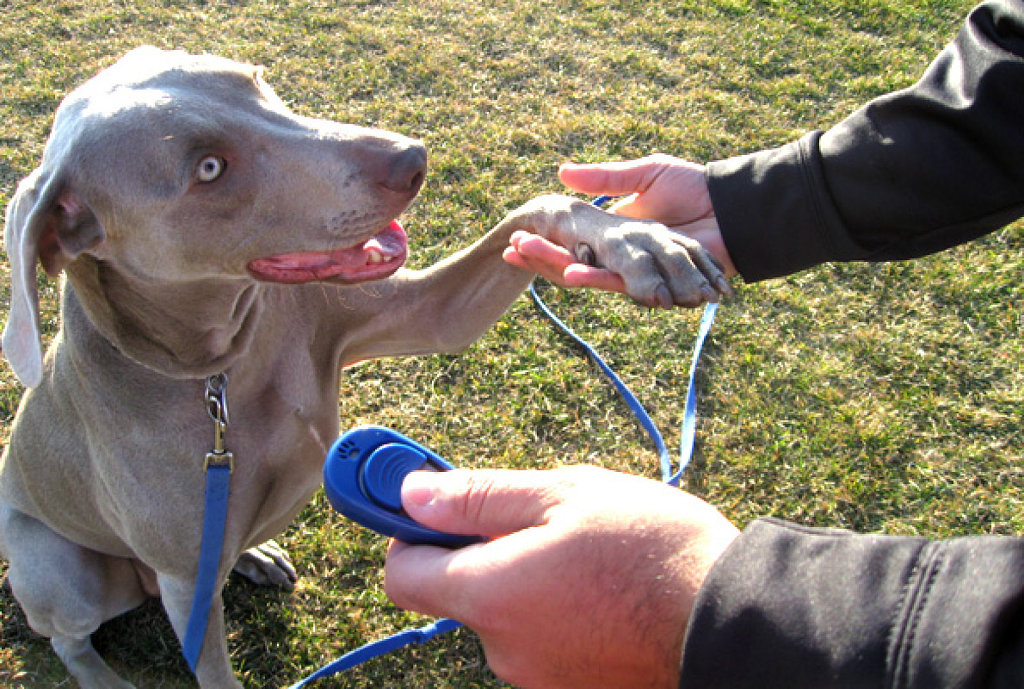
x=48, y=223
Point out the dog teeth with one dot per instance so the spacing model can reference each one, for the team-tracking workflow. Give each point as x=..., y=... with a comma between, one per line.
x=374, y=256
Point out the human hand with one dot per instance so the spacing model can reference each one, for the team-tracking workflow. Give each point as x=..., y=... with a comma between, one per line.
x=662, y=188
x=588, y=579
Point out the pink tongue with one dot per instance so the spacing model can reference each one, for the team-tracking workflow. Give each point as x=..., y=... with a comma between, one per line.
x=351, y=264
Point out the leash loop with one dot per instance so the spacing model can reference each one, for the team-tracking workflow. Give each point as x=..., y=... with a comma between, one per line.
x=688, y=432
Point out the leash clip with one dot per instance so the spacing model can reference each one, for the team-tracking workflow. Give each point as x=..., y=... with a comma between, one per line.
x=217, y=408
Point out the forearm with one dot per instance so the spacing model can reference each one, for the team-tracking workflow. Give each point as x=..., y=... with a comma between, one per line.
x=787, y=606
x=910, y=173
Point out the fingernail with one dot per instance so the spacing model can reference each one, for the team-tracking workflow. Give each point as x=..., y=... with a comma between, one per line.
x=418, y=489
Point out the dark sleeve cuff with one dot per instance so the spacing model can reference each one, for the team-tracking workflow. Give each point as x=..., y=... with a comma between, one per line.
x=796, y=607
x=770, y=211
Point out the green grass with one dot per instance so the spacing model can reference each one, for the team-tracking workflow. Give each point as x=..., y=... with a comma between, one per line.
x=887, y=398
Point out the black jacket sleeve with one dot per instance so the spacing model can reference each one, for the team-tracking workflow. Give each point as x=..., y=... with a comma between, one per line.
x=801, y=608
x=911, y=173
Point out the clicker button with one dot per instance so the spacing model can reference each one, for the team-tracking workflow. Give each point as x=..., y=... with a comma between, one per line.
x=386, y=469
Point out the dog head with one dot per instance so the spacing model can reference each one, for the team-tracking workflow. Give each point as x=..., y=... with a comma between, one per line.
x=168, y=167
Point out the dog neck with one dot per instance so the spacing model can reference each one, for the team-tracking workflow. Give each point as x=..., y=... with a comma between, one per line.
x=179, y=329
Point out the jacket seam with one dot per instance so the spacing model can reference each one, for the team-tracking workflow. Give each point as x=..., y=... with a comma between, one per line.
x=908, y=612
x=810, y=168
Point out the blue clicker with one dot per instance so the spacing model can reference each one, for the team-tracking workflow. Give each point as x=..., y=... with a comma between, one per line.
x=363, y=475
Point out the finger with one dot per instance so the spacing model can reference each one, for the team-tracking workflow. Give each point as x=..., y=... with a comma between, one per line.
x=545, y=270
x=485, y=502
x=463, y=583
x=580, y=275
x=614, y=179
x=560, y=266
x=513, y=258
x=574, y=275
x=536, y=254
x=541, y=250
x=499, y=503
x=415, y=578
x=626, y=205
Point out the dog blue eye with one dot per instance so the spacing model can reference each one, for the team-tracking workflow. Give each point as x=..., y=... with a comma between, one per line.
x=210, y=168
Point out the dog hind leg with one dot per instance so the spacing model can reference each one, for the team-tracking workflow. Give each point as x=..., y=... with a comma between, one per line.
x=67, y=592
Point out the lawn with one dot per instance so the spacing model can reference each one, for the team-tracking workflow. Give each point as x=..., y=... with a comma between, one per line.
x=885, y=398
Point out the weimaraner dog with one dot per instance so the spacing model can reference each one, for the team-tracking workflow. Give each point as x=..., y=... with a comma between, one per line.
x=203, y=228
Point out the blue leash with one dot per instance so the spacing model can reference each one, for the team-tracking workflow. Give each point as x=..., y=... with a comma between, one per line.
x=214, y=518
x=688, y=432
x=379, y=648
x=444, y=625
x=218, y=467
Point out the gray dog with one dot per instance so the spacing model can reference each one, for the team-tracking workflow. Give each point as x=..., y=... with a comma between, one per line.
x=202, y=229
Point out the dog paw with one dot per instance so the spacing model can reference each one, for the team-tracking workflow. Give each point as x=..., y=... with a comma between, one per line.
x=662, y=268
x=268, y=564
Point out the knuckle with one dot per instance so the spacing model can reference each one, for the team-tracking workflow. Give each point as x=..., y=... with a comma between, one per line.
x=472, y=502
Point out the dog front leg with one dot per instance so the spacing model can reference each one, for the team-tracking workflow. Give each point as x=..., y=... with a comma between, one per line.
x=446, y=307
x=213, y=670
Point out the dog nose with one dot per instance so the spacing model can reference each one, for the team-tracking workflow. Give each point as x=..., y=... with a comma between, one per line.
x=405, y=169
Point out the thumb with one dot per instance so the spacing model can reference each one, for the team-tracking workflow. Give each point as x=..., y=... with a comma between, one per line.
x=613, y=179
x=486, y=502
x=483, y=502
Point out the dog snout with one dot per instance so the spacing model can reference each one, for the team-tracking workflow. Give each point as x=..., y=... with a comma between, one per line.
x=403, y=170
x=394, y=164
